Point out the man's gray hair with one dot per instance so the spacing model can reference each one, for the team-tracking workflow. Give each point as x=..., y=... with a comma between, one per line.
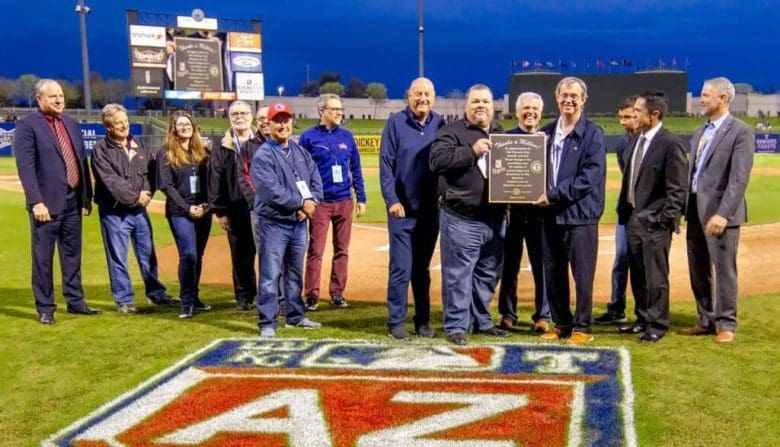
x=476, y=87
x=109, y=110
x=42, y=83
x=235, y=104
x=572, y=80
x=722, y=85
x=529, y=95
x=322, y=101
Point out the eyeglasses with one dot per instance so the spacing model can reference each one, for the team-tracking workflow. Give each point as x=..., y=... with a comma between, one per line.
x=237, y=114
x=183, y=125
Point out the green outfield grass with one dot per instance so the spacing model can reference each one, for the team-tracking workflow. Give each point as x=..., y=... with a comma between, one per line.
x=688, y=391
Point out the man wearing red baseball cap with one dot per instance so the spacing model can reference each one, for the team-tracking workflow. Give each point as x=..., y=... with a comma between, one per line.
x=288, y=190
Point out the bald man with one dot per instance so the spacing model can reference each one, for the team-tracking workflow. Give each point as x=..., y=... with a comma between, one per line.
x=409, y=191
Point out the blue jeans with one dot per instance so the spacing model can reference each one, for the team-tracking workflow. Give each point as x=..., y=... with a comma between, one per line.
x=282, y=249
x=412, y=241
x=619, y=271
x=191, y=238
x=117, y=228
x=471, y=260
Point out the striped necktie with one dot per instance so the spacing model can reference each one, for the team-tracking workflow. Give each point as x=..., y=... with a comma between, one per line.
x=71, y=165
x=706, y=138
x=640, y=153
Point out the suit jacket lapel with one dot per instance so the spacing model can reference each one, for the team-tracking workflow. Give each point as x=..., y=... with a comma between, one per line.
x=719, y=134
x=649, y=152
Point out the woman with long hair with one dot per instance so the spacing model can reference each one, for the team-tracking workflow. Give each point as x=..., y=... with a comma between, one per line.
x=181, y=175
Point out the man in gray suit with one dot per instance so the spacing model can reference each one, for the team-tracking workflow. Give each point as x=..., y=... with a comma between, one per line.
x=721, y=160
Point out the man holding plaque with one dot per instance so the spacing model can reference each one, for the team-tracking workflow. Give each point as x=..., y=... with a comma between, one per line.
x=651, y=202
x=573, y=205
x=472, y=229
x=409, y=191
x=524, y=224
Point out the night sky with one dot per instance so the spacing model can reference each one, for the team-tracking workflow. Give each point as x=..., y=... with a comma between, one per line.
x=465, y=42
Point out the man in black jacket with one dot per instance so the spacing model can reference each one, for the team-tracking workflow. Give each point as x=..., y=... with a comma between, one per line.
x=231, y=194
x=124, y=185
x=651, y=201
x=472, y=230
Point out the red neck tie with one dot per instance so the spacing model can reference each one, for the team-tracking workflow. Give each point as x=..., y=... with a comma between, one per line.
x=71, y=165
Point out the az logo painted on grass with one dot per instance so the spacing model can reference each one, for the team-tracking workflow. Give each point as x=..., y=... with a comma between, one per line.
x=305, y=393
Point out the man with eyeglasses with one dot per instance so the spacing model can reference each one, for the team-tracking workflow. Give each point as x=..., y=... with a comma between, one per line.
x=231, y=196
x=335, y=152
x=573, y=205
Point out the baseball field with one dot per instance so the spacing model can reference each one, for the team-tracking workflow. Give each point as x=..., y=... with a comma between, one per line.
x=687, y=391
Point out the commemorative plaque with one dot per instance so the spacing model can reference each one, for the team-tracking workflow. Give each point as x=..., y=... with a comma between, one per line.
x=198, y=64
x=517, y=168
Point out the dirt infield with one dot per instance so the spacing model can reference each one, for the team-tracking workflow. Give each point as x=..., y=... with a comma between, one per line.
x=369, y=257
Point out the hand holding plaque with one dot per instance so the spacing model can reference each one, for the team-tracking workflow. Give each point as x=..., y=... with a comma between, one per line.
x=517, y=168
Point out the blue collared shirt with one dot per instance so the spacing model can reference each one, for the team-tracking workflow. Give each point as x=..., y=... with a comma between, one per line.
x=710, y=130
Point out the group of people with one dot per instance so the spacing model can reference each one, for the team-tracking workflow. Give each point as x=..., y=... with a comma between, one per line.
x=277, y=197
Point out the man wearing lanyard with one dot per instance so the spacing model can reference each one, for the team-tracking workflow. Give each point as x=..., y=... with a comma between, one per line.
x=651, y=201
x=573, y=205
x=721, y=160
x=230, y=194
x=288, y=190
x=334, y=151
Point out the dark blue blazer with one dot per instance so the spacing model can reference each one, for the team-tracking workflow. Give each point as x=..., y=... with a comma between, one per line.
x=578, y=197
x=41, y=166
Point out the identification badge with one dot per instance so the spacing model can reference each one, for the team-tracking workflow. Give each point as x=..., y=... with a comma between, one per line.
x=338, y=177
x=194, y=184
x=303, y=188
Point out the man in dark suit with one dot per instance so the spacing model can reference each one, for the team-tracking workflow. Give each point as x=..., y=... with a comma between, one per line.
x=721, y=160
x=52, y=167
x=650, y=205
x=574, y=203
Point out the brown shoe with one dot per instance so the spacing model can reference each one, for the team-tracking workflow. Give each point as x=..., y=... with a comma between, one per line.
x=553, y=335
x=724, y=337
x=579, y=338
x=541, y=327
x=694, y=331
x=506, y=322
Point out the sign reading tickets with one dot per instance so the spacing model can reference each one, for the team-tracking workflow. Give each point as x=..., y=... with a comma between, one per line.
x=517, y=168
x=331, y=393
x=198, y=65
x=767, y=143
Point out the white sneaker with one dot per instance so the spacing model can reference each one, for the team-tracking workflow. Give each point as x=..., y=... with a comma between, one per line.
x=305, y=324
x=267, y=332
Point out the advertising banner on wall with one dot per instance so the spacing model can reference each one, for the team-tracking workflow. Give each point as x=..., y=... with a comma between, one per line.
x=148, y=57
x=247, y=42
x=147, y=36
x=148, y=82
x=245, y=62
x=90, y=132
x=250, y=86
x=767, y=143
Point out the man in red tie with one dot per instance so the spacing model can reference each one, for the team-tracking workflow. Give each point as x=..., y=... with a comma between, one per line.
x=51, y=162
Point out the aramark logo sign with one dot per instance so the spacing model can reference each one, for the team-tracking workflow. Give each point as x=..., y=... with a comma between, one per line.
x=368, y=394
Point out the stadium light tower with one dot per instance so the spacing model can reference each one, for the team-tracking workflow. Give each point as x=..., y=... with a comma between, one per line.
x=420, y=31
x=82, y=11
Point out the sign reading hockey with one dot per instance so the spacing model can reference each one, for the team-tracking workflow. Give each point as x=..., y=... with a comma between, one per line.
x=306, y=393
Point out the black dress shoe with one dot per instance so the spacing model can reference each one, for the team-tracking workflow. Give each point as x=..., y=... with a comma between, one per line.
x=84, y=310
x=650, y=337
x=635, y=328
x=494, y=332
x=46, y=318
x=458, y=338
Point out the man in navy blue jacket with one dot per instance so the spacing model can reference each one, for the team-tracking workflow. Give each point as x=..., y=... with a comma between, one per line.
x=334, y=151
x=409, y=191
x=52, y=167
x=574, y=203
x=288, y=190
